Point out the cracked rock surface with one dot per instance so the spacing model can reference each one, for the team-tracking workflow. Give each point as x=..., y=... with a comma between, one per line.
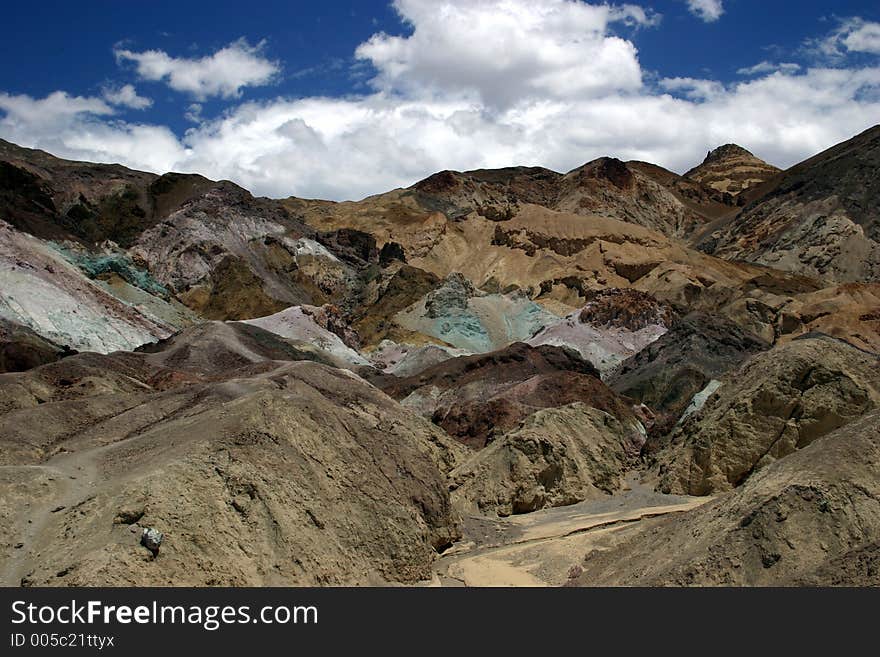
x=778, y=402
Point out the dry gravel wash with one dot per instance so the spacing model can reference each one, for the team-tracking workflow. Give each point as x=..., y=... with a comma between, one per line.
x=541, y=548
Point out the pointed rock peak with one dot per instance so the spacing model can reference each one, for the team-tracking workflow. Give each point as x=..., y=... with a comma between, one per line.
x=731, y=169
x=728, y=151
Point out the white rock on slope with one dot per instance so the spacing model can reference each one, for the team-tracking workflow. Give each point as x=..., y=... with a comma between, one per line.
x=184, y=250
x=605, y=347
x=295, y=324
x=402, y=359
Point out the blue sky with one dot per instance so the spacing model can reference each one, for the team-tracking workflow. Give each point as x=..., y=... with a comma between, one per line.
x=343, y=99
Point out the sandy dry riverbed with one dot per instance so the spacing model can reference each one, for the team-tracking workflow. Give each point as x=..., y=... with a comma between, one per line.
x=539, y=549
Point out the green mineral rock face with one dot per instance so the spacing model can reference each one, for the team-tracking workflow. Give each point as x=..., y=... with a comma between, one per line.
x=94, y=265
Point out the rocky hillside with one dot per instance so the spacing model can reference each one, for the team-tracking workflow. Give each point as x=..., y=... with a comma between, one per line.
x=633, y=192
x=303, y=392
x=211, y=246
x=778, y=402
x=258, y=464
x=812, y=517
x=676, y=374
x=56, y=199
x=819, y=218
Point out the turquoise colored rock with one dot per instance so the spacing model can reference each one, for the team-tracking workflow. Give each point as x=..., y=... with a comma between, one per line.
x=95, y=264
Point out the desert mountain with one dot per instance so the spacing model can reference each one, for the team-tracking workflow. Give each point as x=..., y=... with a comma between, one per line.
x=731, y=169
x=214, y=247
x=639, y=193
x=819, y=218
x=556, y=457
x=633, y=192
x=53, y=198
x=477, y=398
x=676, y=374
x=779, y=401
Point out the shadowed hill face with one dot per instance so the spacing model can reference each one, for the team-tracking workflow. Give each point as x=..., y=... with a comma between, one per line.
x=55, y=199
x=374, y=321
x=22, y=349
x=214, y=349
x=667, y=374
x=818, y=218
x=555, y=457
x=515, y=363
x=489, y=190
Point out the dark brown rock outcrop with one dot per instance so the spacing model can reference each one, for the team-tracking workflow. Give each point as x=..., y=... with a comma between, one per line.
x=22, y=349
x=667, y=373
x=478, y=398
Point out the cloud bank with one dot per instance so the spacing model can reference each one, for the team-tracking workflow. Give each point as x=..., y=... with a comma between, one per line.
x=476, y=83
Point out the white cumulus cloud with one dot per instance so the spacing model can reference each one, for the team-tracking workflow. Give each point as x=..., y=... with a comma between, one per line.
x=83, y=128
x=126, y=96
x=765, y=67
x=863, y=37
x=58, y=108
x=505, y=50
x=852, y=35
x=693, y=88
x=706, y=10
x=224, y=73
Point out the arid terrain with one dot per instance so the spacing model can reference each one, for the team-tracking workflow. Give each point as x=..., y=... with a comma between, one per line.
x=617, y=375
